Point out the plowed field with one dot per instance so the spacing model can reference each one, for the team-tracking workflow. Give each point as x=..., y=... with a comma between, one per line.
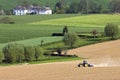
x=104, y=56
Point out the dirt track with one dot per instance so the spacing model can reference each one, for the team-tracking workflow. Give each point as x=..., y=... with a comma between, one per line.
x=109, y=52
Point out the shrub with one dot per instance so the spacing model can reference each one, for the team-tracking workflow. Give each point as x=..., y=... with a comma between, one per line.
x=29, y=53
x=38, y=52
x=1, y=57
x=94, y=32
x=7, y=20
x=10, y=53
x=70, y=39
x=111, y=30
x=13, y=53
x=65, y=30
x=59, y=51
x=20, y=52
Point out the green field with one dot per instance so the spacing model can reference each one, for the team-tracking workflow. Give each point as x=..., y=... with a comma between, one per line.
x=83, y=21
x=32, y=29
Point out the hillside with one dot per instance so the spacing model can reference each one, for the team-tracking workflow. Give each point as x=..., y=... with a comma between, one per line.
x=35, y=26
x=7, y=5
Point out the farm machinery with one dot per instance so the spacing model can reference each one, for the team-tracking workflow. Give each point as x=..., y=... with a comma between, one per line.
x=85, y=64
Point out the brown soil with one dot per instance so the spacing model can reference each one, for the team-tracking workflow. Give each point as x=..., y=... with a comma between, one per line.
x=105, y=56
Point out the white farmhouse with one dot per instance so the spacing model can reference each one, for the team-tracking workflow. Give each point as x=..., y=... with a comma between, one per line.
x=22, y=10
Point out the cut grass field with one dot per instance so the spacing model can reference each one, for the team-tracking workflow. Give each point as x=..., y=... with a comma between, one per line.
x=83, y=21
x=34, y=41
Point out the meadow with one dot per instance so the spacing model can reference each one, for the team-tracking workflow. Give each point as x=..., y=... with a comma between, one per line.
x=83, y=21
x=34, y=28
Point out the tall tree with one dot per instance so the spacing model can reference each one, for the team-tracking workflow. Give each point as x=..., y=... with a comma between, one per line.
x=111, y=30
x=100, y=8
x=38, y=52
x=65, y=30
x=93, y=7
x=84, y=6
x=59, y=7
x=74, y=8
x=114, y=5
x=70, y=39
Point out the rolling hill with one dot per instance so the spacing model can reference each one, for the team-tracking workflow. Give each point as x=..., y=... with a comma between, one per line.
x=10, y=4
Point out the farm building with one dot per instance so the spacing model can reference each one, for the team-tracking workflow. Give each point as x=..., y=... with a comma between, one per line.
x=22, y=10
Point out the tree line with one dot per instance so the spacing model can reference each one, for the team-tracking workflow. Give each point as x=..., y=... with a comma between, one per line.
x=86, y=6
x=17, y=53
x=82, y=6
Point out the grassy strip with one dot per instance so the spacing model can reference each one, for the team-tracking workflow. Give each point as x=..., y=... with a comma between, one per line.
x=56, y=59
x=80, y=43
x=46, y=59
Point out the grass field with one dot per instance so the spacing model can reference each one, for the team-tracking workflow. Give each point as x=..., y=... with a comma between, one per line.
x=26, y=27
x=34, y=41
x=37, y=27
x=83, y=21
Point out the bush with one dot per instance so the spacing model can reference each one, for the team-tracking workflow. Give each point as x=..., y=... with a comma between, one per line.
x=38, y=52
x=59, y=51
x=20, y=52
x=7, y=20
x=13, y=53
x=94, y=32
x=65, y=30
x=1, y=57
x=29, y=53
x=111, y=30
x=70, y=39
x=10, y=53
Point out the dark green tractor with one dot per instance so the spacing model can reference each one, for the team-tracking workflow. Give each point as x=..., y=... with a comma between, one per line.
x=85, y=64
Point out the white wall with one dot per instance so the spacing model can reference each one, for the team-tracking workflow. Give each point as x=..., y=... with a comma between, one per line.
x=24, y=12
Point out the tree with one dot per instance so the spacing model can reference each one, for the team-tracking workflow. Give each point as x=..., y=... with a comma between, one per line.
x=111, y=30
x=7, y=20
x=59, y=7
x=94, y=32
x=10, y=53
x=20, y=52
x=65, y=30
x=74, y=7
x=100, y=8
x=38, y=52
x=1, y=10
x=84, y=6
x=26, y=3
x=114, y=5
x=59, y=50
x=93, y=7
x=42, y=41
x=13, y=53
x=70, y=39
x=29, y=53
